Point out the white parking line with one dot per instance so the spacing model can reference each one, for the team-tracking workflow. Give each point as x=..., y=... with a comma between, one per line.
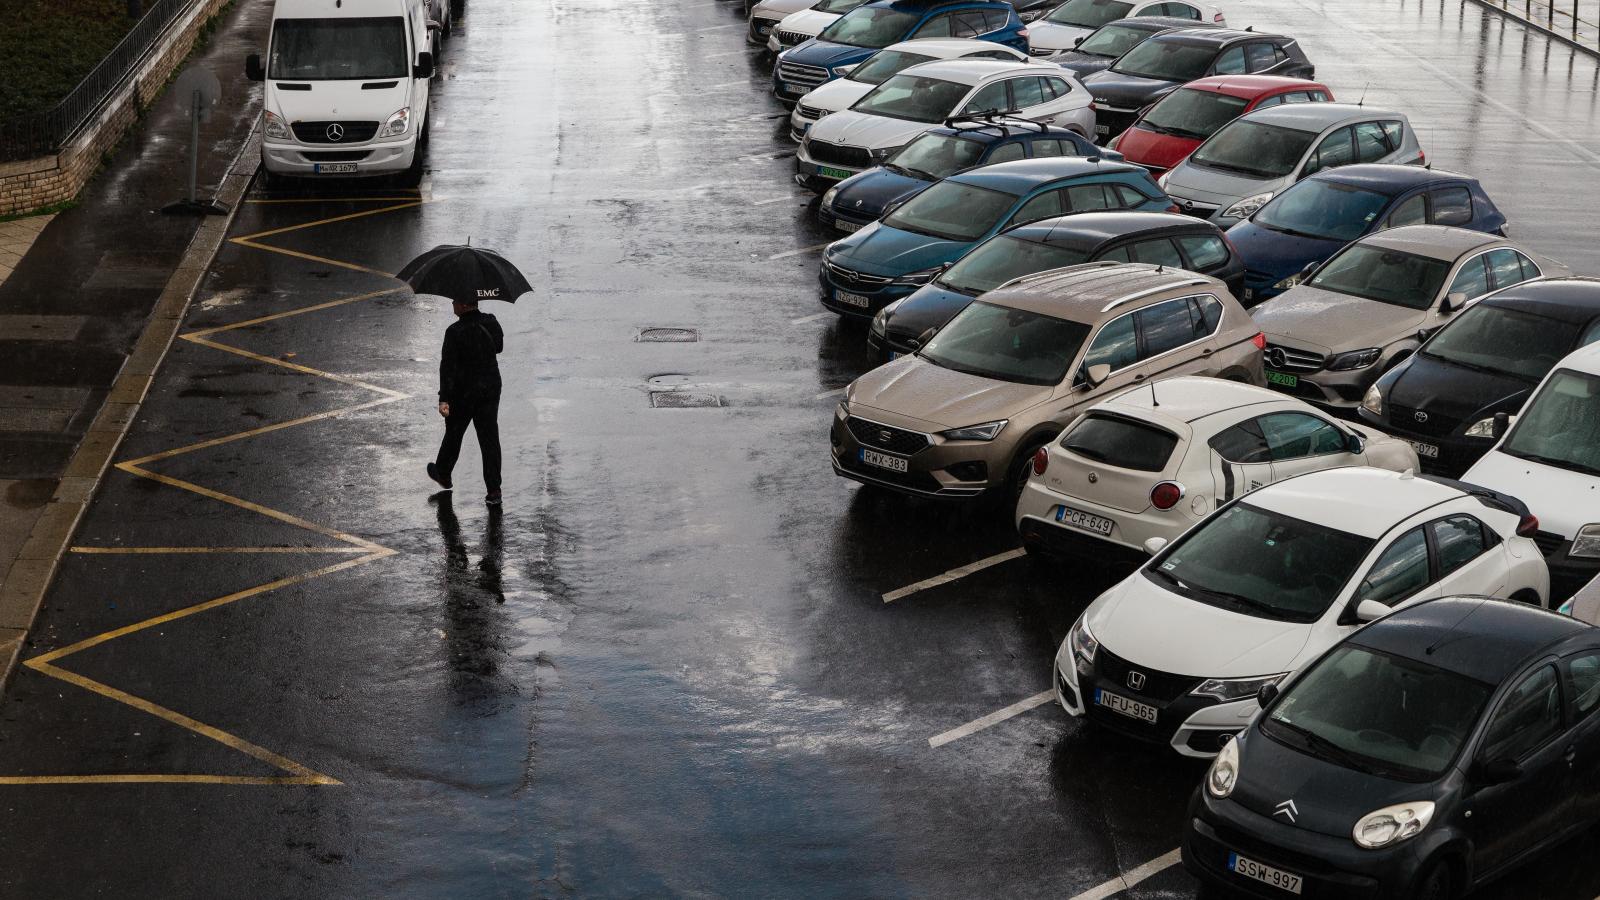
x=767, y=157
x=771, y=200
x=720, y=27
x=836, y=392
x=801, y=252
x=952, y=575
x=994, y=718
x=743, y=82
x=729, y=52
x=812, y=318
x=1133, y=876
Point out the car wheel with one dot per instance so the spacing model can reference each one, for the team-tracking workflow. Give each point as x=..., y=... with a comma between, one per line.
x=1435, y=883
x=1017, y=476
x=1528, y=596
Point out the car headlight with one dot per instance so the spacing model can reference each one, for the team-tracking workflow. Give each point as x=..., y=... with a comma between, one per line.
x=842, y=411
x=984, y=432
x=1355, y=359
x=1373, y=401
x=1247, y=207
x=1289, y=282
x=1392, y=824
x=1587, y=543
x=918, y=278
x=1483, y=428
x=1224, y=772
x=827, y=199
x=1227, y=690
x=397, y=123
x=275, y=127
x=1031, y=14
x=879, y=322
x=1083, y=644
x=841, y=71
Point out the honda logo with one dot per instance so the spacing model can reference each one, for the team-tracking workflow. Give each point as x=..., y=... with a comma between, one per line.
x=1287, y=810
x=1136, y=680
x=1277, y=357
x=335, y=132
x=1420, y=416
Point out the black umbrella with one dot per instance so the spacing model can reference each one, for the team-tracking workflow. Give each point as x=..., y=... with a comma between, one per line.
x=467, y=274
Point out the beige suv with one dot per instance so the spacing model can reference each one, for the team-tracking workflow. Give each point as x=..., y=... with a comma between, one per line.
x=964, y=415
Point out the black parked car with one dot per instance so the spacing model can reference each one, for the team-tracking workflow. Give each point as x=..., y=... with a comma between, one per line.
x=1486, y=361
x=1098, y=51
x=1170, y=239
x=1424, y=755
x=1166, y=62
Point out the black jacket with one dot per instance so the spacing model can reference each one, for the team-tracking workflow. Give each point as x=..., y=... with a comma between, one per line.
x=467, y=367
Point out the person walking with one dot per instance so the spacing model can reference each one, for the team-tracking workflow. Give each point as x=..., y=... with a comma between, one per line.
x=469, y=394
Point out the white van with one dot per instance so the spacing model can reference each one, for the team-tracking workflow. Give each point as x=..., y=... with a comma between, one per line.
x=1550, y=459
x=346, y=87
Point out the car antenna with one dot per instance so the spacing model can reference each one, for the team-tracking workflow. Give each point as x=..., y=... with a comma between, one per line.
x=1363, y=100
x=1451, y=630
x=1153, y=401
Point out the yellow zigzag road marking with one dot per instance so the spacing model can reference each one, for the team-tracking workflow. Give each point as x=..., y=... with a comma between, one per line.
x=367, y=550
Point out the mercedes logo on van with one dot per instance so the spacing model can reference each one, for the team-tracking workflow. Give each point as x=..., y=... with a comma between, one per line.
x=1421, y=416
x=1136, y=680
x=1277, y=357
x=1287, y=810
x=335, y=132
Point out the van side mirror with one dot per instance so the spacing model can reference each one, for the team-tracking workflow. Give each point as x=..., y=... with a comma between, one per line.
x=1155, y=545
x=1452, y=302
x=1500, y=771
x=253, y=69
x=424, y=66
x=1354, y=444
x=1502, y=423
x=1267, y=694
x=1096, y=375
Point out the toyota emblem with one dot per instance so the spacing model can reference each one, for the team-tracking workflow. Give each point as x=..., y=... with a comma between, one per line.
x=1421, y=416
x=335, y=132
x=885, y=437
x=1277, y=357
x=1136, y=680
x=1093, y=478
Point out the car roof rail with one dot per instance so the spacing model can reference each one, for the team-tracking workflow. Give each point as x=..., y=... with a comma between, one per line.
x=1007, y=119
x=1139, y=295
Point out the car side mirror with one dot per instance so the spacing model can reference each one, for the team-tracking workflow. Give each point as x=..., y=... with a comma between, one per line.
x=1307, y=269
x=1452, y=302
x=923, y=338
x=1502, y=423
x=424, y=66
x=1369, y=610
x=1155, y=545
x=1499, y=771
x=1267, y=694
x=435, y=25
x=1424, y=333
x=1096, y=375
x=253, y=69
x=1354, y=444
x=889, y=208
x=1077, y=41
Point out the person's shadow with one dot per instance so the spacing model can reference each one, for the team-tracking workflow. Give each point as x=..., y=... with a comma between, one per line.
x=473, y=627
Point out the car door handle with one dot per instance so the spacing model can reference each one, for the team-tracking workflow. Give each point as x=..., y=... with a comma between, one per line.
x=1207, y=351
x=1139, y=377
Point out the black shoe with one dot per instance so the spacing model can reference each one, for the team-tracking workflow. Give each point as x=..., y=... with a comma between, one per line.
x=433, y=472
x=493, y=499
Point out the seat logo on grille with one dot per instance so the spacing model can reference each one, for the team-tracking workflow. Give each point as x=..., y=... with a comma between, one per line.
x=1277, y=357
x=1136, y=680
x=335, y=132
x=1420, y=416
x=885, y=437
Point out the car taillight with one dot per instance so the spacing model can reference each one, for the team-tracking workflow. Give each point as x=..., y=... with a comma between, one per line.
x=1529, y=526
x=1174, y=209
x=1023, y=33
x=1260, y=340
x=1422, y=156
x=1166, y=495
x=1217, y=17
x=1041, y=461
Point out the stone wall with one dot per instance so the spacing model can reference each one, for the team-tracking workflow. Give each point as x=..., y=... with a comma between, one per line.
x=30, y=184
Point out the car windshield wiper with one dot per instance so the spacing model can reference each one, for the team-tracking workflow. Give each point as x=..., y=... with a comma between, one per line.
x=1292, y=232
x=1085, y=451
x=1554, y=461
x=1324, y=747
x=897, y=169
x=919, y=173
x=1228, y=167
x=1471, y=366
x=1242, y=600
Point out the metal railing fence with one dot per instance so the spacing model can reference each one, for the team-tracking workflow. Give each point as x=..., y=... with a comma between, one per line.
x=1574, y=22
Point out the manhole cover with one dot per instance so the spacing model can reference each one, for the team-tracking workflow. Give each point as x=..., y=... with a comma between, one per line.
x=683, y=400
x=668, y=335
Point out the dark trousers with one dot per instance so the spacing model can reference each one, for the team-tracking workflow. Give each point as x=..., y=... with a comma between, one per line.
x=482, y=414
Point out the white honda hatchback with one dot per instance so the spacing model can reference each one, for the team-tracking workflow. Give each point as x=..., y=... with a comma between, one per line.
x=1177, y=652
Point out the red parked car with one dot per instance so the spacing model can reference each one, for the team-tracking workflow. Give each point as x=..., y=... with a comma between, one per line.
x=1170, y=129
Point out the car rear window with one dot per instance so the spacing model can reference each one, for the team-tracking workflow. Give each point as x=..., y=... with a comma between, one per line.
x=1089, y=13
x=1120, y=442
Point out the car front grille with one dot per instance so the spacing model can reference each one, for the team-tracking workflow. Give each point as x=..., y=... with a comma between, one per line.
x=808, y=76
x=787, y=39
x=346, y=132
x=838, y=155
x=808, y=112
x=1294, y=360
x=1161, y=687
x=1194, y=207
x=887, y=437
x=851, y=280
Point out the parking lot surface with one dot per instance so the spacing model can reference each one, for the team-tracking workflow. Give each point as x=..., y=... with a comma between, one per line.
x=685, y=658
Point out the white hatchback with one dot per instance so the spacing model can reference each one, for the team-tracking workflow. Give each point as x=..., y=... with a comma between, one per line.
x=1153, y=461
x=1177, y=652
x=798, y=27
x=1063, y=27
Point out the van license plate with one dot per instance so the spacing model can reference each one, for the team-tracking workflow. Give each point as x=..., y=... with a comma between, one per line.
x=883, y=460
x=1431, y=451
x=1282, y=380
x=1079, y=519
x=333, y=168
x=1117, y=703
x=850, y=299
x=1265, y=874
x=831, y=172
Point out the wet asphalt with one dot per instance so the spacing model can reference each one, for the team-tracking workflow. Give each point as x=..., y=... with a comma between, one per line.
x=666, y=668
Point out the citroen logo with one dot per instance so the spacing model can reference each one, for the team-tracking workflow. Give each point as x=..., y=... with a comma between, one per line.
x=335, y=132
x=885, y=437
x=1421, y=416
x=1277, y=357
x=1093, y=478
x=1136, y=680
x=1287, y=810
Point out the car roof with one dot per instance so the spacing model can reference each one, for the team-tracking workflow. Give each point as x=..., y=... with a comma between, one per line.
x=946, y=48
x=1386, y=178
x=1090, y=229
x=1092, y=292
x=1574, y=300
x=1251, y=86
x=1584, y=359
x=1216, y=37
x=1356, y=499
x=918, y=6
x=1157, y=23
x=1188, y=398
x=1435, y=241
x=995, y=131
x=1024, y=174
x=974, y=71
x=1316, y=116
x=1480, y=637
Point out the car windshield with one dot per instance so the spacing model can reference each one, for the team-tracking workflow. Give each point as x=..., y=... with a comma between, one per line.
x=1255, y=149
x=869, y=26
x=1007, y=344
x=1193, y=114
x=1002, y=258
x=914, y=98
x=1261, y=563
x=1322, y=209
x=934, y=156
x=883, y=64
x=1492, y=338
x=952, y=211
x=1089, y=13
x=1166, y=60
x=1560, y=426
x=330, y=49
x=1378, y=713
x=837, y=7
x=1387, y=276
x=1113, y=40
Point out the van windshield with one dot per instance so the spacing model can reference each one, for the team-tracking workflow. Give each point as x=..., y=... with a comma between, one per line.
x=1561, y=425
x=334, y=49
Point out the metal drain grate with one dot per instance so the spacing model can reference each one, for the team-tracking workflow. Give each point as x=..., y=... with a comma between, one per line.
x=668, y=335
x=683, y=400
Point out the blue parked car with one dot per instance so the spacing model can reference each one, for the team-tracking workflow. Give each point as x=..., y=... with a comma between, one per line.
x=940, y=153
x=867, y=29
x=1308, y=223
x=916, y=240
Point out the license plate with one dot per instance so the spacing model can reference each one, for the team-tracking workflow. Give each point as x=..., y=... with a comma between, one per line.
x=883, y=460
x=831, y=172
x=850, y=299
x=1282, y=379
x=1249, y=294
x=1265, y=874
x=333, y=168
x=1079, y=519
x=1431, y=451
x=846, y=227
x=796, y=89
x=1102, y=129
x=894, y=355
x=1117, y=703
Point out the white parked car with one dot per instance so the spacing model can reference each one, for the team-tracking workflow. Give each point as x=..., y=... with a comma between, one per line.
x=1177, y=652
x=1550, y=458
x=766, y=15
x=1152, y=461
x=840, y=93
x=928, y=94
x=1063, y=27
x=798, y=27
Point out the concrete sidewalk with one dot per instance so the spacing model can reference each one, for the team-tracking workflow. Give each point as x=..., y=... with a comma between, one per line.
x=87, y=313
x=16, y=238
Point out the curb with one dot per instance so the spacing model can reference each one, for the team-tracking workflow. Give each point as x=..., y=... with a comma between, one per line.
x=25, y=586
